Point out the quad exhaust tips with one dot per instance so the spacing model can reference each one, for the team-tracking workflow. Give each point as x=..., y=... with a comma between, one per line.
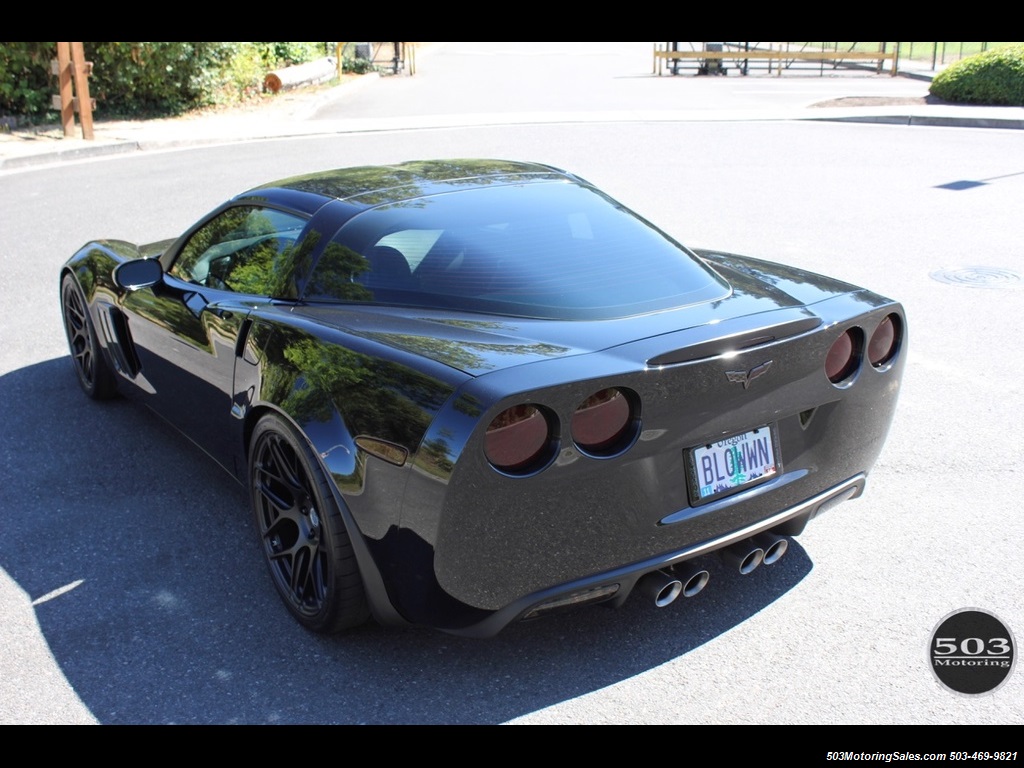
x=747, y=555
x=664, y=587
x=687, y=579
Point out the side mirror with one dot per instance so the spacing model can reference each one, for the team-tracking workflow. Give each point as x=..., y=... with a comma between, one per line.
x=138, y=273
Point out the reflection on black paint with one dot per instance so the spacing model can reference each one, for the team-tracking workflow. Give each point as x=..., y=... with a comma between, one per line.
x=379, y=398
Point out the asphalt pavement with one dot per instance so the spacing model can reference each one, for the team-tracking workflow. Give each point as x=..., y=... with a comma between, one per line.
x=293, y=113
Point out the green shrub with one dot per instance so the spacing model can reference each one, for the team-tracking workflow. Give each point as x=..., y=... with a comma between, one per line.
x=144, y=79
x=25, y=78
x=995, y=77
x=285, y=54
x=356, y=66
x=240, y=77
x=154, y=78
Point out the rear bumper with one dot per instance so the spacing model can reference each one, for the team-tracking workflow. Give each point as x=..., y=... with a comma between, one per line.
x=615, y=587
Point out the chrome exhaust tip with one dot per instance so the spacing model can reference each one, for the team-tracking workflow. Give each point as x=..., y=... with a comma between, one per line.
x=661, y=587
x=745, y=556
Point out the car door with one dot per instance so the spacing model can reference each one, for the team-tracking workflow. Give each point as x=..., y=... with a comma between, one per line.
x=189, y=329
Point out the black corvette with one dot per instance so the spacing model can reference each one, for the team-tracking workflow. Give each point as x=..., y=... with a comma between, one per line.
x=469, y=392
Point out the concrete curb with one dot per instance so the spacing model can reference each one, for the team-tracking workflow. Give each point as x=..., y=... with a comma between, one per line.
x=127, y=146
x=942, y=121
x=68, y=155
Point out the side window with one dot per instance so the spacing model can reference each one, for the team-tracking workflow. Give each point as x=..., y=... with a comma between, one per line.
x=245, y=249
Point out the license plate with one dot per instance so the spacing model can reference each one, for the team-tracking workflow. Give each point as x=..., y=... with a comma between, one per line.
x=733, y=463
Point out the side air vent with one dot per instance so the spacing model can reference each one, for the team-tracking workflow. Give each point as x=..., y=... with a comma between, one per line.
x=119, y=341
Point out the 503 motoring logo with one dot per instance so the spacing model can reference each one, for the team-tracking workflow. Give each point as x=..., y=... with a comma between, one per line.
x=972, y=652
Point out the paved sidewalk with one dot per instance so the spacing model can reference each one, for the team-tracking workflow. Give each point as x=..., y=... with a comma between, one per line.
x=288, y=114
x=285, y=114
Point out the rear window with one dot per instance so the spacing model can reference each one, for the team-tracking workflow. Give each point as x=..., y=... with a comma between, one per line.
x=546, y=250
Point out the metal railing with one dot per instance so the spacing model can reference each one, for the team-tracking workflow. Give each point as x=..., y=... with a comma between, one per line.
x=938, y=55
x=777, y=57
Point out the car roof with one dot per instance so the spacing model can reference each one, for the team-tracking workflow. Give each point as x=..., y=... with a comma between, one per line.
x=367, y=186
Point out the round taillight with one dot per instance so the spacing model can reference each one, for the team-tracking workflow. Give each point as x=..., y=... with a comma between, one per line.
x=603, y=422
x=884, y=341
x=518, y=439
x=843, y=357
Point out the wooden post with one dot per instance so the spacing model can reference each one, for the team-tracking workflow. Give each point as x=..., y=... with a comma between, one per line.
x=81, y=74
x=67, y=104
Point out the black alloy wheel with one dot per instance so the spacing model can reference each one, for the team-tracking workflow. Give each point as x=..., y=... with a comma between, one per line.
x=94, y=374
x=302, y=534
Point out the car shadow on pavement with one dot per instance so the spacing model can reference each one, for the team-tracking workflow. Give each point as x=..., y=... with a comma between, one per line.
x=141, y=566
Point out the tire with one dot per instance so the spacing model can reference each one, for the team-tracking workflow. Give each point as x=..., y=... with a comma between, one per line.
x=94, y=374
x=302, y=534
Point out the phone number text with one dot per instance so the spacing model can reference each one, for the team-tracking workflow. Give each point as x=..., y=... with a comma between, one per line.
x=889, y=757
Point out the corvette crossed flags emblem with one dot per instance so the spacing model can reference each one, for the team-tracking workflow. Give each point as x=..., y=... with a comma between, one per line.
x=745, y=377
